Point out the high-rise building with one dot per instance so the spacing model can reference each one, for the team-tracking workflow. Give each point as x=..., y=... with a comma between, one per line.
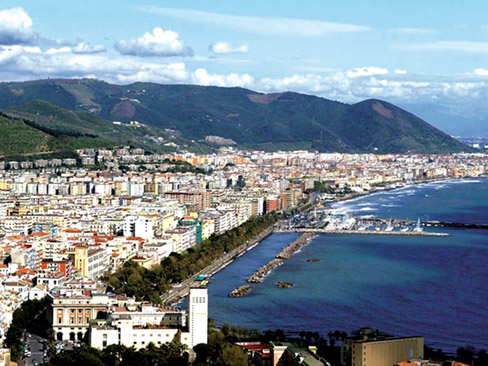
x=198, y=315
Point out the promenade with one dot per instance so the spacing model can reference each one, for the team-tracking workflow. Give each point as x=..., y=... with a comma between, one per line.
x=182, y=289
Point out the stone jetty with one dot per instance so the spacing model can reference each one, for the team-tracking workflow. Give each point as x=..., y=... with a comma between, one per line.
x=240, y=291
x=284, y=284
x=286, y=253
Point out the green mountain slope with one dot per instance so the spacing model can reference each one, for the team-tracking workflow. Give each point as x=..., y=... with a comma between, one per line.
x=86, y=128
x=269, y=121
x=18, y=137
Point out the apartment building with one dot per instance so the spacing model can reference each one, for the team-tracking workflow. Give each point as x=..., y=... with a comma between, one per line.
x=149, y=324
x=91, y=262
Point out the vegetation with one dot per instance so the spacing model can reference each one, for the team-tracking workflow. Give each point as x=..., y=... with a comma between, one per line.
x=84, y=130
x=167, y=355
x=135, y=280
x=320, y=187
x=18, y=137
x=274, y=121
x=31, y=317
x=218, y=352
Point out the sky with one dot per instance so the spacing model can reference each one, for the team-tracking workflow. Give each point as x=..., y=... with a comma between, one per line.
x=412, y=52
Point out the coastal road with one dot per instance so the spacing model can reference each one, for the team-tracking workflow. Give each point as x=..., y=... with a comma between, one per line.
x=182, y=289
x=36, y=346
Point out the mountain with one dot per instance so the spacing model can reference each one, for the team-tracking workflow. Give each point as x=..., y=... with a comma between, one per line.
x=79, y=129
x=19, y=137
x=250, y=119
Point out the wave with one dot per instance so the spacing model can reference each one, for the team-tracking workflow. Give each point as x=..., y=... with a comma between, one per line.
x=362, y=209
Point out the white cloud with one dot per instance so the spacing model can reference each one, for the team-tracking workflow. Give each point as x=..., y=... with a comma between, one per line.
x=28, y=62
x=203, y=77
x=160, y=42
x=226, y=48
x=17, y=62
x=86, y=48
x=366, y=71
x=81, y=48
x=259, y=25
x=457, y=46
x=400, y=72
x=414, y=31
x=481, y=72
x=16, y=27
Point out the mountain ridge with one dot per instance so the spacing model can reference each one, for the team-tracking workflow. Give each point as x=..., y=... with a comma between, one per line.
x=251, y=119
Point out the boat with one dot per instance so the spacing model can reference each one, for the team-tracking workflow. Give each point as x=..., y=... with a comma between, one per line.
x=418, y=228
x=390, y=226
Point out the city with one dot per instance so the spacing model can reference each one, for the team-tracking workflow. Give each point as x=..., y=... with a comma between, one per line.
x=243, y=183
x=67, y=223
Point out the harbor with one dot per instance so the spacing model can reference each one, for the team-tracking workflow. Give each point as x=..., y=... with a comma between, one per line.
x=361, y=232
x=328, y=221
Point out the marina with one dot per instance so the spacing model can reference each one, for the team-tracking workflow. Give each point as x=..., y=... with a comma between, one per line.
x=362, y=232
x=327, y=221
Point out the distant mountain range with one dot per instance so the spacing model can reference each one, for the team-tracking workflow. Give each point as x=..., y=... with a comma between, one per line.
x=161, y=117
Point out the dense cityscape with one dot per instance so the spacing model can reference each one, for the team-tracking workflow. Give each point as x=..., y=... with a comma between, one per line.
x=243, y=183
x=67, y=224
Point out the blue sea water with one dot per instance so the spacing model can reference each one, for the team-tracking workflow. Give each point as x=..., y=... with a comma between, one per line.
x=431, y=286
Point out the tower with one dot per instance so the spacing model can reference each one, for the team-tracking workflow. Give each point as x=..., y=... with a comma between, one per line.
x=198, y=315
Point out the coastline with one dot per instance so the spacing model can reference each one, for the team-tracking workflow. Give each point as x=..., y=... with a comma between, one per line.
x=260, y=274
x=267, y=297
x=357, y=195
x=176, y=295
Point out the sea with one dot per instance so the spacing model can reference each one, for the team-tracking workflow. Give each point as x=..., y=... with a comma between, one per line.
x=436, y=287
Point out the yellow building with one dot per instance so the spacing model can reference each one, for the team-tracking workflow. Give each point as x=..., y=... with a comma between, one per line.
x=386, y=352
x=168, y=222
x=208, y=228
x=91, y=262
x=5, y=357
x=5, y=185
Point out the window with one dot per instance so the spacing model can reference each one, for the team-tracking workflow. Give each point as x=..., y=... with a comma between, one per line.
x=60, y=320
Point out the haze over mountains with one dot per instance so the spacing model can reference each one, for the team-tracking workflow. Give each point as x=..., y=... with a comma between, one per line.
x=184, y=115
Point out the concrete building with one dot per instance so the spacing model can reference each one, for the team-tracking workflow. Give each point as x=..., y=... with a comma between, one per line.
x=91, y=262
x=73, y=311
x=197, y=201
x=144, y=324
x=198, y=315
x=139, y=226
x=369, y=349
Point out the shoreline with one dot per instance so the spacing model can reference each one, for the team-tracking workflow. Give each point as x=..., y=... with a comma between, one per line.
x=177, y=294
x=262, y=272
x=357, y=195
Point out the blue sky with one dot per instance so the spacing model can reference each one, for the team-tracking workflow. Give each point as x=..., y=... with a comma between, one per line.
x=404, y=51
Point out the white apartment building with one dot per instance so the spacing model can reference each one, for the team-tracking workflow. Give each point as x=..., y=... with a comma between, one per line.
x=140, y=226
x=149, y=324
x=183, y=237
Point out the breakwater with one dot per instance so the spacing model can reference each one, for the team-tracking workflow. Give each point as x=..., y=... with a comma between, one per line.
x=240, y=291
x=361, y=232
x=181, y=290
x=281, y=257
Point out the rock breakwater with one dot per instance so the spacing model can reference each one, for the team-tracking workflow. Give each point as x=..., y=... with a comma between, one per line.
x=281, y=257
